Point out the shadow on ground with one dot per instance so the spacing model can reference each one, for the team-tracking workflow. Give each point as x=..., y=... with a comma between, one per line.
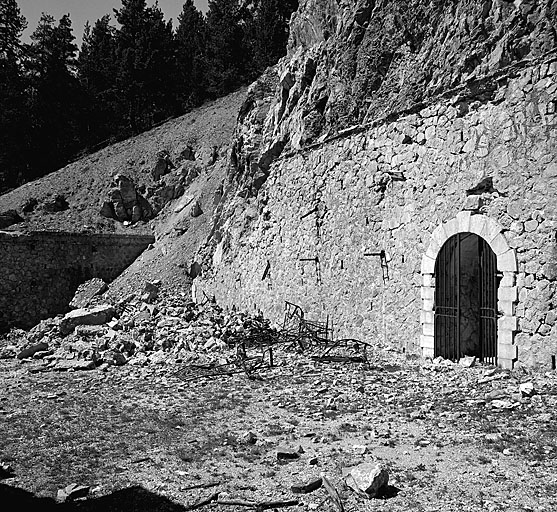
x=136, y=499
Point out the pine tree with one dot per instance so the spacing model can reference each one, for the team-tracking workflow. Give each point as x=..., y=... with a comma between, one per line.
x=228, y=54
x=13, y=121
x=191, y=38
x=146, y=64
x=269, y=31
x=97, y=67
x=55, y=95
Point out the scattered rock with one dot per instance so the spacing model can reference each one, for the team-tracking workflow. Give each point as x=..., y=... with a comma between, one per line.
x=90, y=331
x=307, y=487
x=248, y=438
x=114, y=358
x=366, y=479
x=31, y=351
x=527, y=389
x=359, y=449
x=196, y=210
x=72, y=492
x=150, y=291
x=467, y=361
x=284, y=453
x=504, y=404
x=125, y=203
x=56, y=204
x=65, y=365
x=188, y=153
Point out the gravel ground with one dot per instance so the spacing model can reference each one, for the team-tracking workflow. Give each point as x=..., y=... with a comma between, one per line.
x=452, y=438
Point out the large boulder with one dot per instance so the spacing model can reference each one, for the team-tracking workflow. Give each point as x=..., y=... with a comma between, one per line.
x=366, y=479
x=93, y=316
x=125, y=203
x=86, y=291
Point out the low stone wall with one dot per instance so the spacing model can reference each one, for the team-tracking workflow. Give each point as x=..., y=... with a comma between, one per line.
x=342, y=229
x=40, y=272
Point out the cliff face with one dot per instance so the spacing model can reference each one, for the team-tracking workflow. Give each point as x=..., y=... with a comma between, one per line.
x=389, y=128
x=353, y=61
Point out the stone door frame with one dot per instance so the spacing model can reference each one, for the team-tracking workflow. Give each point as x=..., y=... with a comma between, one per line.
x=507, y=293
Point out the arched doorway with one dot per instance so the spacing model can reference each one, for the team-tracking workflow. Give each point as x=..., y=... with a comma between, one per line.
x=465, y=305
x=436, y=269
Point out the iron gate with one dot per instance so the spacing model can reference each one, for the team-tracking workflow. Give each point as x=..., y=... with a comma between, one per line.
x=488, y=303
x=448, y=301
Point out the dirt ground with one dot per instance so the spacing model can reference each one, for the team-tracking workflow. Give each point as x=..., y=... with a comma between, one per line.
x=452, y=438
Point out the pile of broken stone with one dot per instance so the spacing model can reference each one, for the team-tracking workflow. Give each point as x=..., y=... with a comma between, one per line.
x=153, y=328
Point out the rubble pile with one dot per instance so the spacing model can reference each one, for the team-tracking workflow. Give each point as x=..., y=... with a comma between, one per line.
x=150, y=329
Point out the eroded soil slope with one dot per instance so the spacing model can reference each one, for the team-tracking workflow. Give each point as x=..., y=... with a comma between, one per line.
x=86, y=183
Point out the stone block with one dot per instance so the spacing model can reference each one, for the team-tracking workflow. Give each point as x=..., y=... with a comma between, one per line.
x=509, y=323
x=427, y=341
x=509, y=279
x=499, y=245
x=428, y=330
x=463, y=219
x=477, y=223
x=507, y=293
x=428, y=265
x=427, y=280
x=427, y=304
x=427, y=292
x=427, y=317
x=506, y=307
x=505, y=337
x=451, y=228
x=506, y=262
x=439, y=235
x=428, y=352
x=472, y=203
x=508, y=352
x=93, y=316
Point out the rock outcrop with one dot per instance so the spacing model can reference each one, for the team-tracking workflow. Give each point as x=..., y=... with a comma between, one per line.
x=357, y=61
x=125, y=203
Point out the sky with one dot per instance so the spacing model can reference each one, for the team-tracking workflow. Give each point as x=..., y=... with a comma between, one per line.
x=82, y=10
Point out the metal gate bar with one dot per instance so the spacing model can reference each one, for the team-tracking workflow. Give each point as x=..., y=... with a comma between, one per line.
x=447, y=283
x=488, y=303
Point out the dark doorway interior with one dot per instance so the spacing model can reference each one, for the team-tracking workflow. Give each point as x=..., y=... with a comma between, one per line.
x=466, y=299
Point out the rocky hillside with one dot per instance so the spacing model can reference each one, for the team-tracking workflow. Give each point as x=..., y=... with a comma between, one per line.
x=357, y=61
x=160, y=163
x=172, y=173
x=349, y=64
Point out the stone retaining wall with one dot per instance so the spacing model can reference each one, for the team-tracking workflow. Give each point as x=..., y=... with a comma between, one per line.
x=40, y=272
x=316, y=233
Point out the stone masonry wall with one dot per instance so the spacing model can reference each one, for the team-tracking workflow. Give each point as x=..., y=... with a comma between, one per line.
x=315, y=233
x=40, y=272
